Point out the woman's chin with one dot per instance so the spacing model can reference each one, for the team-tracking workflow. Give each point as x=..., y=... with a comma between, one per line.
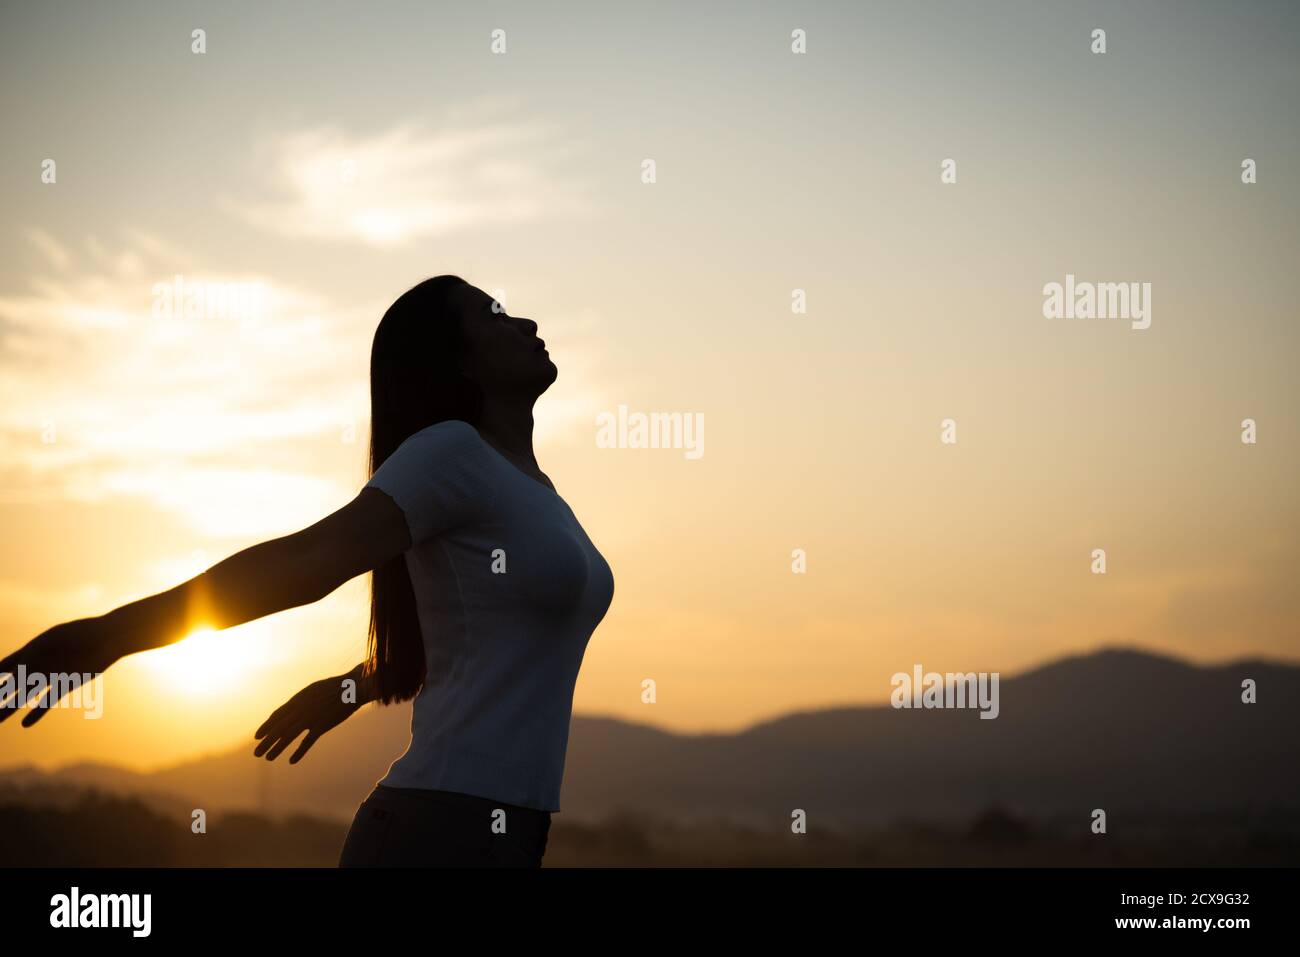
x=546, y=375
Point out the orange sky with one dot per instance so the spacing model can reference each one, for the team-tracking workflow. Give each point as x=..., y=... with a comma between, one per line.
x=140, y=448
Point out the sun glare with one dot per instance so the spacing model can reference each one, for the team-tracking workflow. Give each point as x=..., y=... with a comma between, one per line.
x=205, y=662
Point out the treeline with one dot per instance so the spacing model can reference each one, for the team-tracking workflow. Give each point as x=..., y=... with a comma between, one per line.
x=94, y=829
x=101, y=830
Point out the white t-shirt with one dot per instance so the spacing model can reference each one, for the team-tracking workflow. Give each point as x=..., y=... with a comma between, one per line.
x=509, y=589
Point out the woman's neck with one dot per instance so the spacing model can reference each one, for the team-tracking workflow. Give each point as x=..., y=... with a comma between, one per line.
x=509, y=429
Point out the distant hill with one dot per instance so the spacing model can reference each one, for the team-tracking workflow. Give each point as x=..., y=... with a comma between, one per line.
x=1120, y=730
x=1134, y=733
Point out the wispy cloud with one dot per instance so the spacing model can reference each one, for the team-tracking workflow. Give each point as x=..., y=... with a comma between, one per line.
x=411, y=182
x=239, y=424
x=101, y=395
x=49, y=247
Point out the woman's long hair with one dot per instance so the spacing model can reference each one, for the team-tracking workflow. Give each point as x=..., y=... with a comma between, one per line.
x=415, y=381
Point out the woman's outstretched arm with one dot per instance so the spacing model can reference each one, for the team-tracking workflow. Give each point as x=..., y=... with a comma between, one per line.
x=298, y=569
x=286, y=572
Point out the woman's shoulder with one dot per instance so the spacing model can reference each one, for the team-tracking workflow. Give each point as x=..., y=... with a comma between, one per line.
x=449, y=441
x=450, y=427
x=448, y=432
x=442, y=477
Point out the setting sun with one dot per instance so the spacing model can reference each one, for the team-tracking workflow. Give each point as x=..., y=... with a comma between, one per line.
x=205, y=662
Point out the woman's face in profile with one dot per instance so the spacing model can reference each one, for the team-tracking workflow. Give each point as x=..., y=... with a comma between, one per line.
x=505, y=352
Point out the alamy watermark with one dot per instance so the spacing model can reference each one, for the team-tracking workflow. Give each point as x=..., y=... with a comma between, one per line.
x=190, y=299
x=19, y=689
x=1098, y=300
x=951, y=690
x=651, y=430
x=130, y=911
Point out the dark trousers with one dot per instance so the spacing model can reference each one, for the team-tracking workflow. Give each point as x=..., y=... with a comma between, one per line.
x=407, y=827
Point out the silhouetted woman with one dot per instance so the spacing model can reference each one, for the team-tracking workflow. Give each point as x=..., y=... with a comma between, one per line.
x=485, y=592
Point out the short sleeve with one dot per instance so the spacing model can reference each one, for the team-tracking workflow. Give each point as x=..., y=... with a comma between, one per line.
x=439, y=478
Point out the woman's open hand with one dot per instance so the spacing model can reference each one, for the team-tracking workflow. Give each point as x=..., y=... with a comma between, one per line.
x=54, y=664
x=317, y=708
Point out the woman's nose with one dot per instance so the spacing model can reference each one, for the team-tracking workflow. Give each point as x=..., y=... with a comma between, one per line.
x=530, y=327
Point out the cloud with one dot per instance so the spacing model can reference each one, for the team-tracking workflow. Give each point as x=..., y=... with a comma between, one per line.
x=411, y=182
x=103, y=393
x=49, y=247
x=239, y=422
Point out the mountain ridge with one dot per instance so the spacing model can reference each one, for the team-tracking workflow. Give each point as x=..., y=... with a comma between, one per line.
x=1118, y=728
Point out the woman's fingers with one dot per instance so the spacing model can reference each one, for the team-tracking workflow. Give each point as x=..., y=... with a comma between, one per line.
x=8, y=704
x=295, y=705
x=284, y=720
x=313, y=706
x=276, y=733
x=40, y=705
x=284, y=742
x=65, y=657
x=40, y=708
x=277, y=717
x=15, y=695
x=307, y=742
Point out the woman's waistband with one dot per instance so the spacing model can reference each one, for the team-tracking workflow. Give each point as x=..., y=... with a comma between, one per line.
x=457, y=799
